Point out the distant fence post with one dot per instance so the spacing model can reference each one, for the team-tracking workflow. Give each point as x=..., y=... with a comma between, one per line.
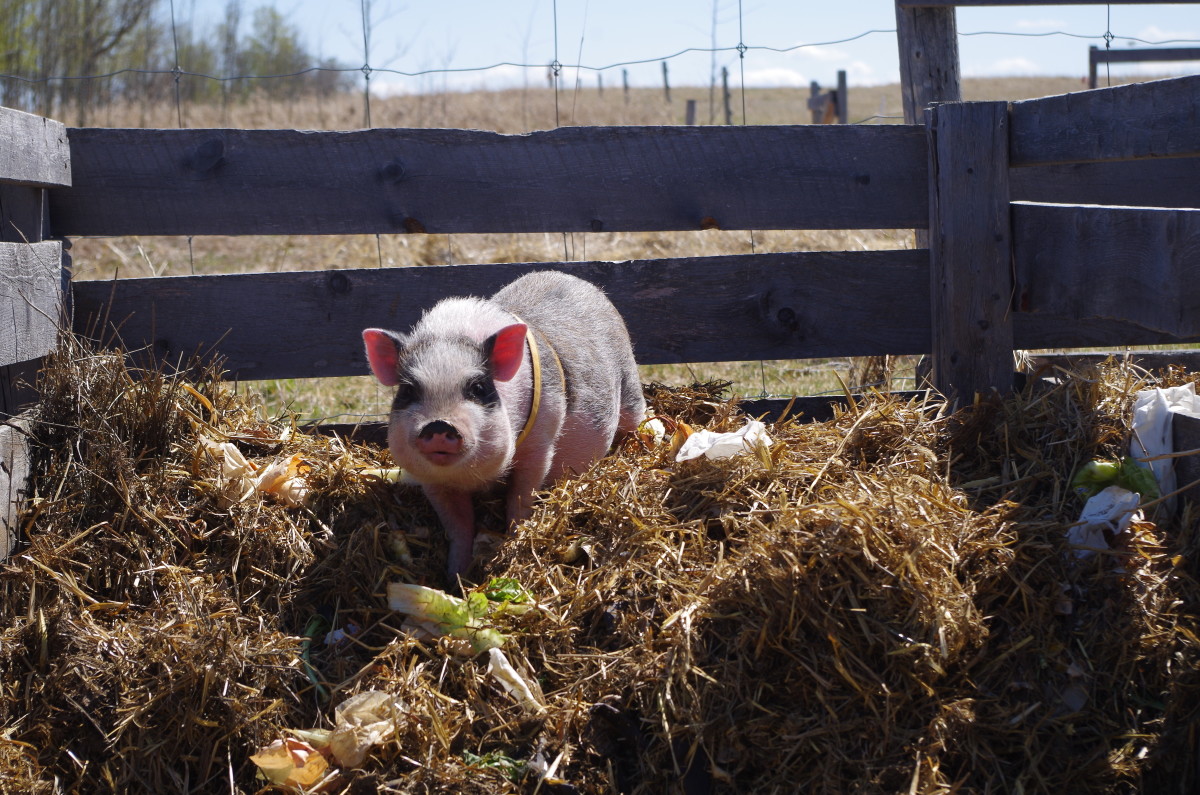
x=815, y=103
x=970, y=249
x=690, y=114
x=666, y=82
x=625, y=84
x=843, y=98
x=725, y=94
x=829, y=106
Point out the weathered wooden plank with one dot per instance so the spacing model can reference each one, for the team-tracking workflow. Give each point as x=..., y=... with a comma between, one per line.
x=573, y=179
x=14, y=479
x=30, y=299
x=33, y=150
x=1159, y=182
x=1144, y=54
x=296, y=325
x=970, y=276
x=1098, y=55
x=1139, y=120
x=1139, y=266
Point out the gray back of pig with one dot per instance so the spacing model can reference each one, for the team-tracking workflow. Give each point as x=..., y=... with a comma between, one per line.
x=590, y=339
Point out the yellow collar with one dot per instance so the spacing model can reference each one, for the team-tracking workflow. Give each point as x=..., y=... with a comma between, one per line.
x=537, y=379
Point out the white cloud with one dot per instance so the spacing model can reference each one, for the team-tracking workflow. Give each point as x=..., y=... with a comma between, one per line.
x=775, y=77
x=861, y=72
x=823, y=53
x=1153, y=33
x=1042, y=24
x=1007, y=67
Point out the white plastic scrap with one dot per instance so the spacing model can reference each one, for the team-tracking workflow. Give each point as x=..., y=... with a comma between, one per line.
x=1153, y=412
x=513, y=682
x=724, y=445
x=1112, y=510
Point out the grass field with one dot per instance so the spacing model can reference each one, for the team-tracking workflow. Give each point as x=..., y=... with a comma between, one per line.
x=514, y=111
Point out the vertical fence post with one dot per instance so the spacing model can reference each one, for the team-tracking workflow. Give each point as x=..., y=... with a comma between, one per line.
x=928, y=42
x=725, y=94
x=843, y=98
x=970, y=249
x=32, y=290
x=690, y=114
x=666, y=82
x=625, y=84
x=927, y=39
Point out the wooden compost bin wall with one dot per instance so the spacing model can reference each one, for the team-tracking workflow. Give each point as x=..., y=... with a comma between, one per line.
x=33, y=156
x=996, y=275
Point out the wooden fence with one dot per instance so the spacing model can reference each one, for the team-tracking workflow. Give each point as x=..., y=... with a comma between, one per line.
x=1032, y=239
x=1097, y=56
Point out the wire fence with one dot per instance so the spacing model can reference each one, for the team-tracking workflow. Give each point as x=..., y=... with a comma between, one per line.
x=342, y=77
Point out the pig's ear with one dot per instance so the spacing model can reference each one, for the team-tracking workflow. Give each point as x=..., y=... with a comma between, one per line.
x=505, y=350
x=383, y=352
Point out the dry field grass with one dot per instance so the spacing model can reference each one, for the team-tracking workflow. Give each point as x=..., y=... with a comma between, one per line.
x=512, y=111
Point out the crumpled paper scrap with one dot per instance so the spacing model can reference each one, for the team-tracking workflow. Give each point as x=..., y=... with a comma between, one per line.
x=363, y=721
x=717, y=446
x=284, y=478
x=294, y=764
x=302, y=762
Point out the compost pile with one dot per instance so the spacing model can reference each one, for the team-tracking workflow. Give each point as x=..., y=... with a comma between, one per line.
x=884, y=602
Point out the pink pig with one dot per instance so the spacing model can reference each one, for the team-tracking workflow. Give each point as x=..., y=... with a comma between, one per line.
x=529, y=385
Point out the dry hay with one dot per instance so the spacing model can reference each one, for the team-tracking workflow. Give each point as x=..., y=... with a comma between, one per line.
x=879, y=603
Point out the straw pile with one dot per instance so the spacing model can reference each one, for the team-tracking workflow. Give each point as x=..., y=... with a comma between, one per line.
x=884, y=602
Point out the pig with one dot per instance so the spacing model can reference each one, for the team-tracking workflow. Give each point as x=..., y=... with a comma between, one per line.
x=527, y=386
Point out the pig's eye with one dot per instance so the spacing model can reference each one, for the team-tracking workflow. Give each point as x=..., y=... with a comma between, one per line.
x=406, y=393
x=481, y=390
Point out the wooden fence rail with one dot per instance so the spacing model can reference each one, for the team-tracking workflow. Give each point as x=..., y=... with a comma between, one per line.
x=1097, y=56
x=574, y=179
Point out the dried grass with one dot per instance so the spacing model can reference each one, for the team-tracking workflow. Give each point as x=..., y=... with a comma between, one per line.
x=879, y=603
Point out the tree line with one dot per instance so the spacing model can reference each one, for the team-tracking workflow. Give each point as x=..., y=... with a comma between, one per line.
x=62, y=57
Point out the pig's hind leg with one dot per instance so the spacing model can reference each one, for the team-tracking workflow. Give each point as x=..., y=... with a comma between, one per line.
x=528, y=474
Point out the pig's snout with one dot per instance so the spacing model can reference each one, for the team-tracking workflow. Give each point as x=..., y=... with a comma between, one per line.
x=440, y=442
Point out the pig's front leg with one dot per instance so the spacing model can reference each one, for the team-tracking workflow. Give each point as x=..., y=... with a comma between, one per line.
x=526, y=477
x=457, y=513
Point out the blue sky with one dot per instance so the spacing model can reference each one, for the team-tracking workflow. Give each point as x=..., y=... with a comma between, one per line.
x=817, y=39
